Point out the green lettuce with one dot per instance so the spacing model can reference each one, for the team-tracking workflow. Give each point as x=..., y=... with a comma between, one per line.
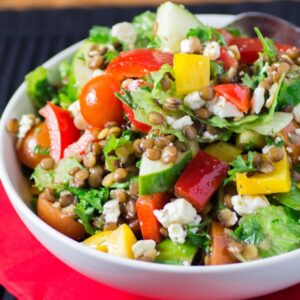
x=273, y=229
x=289, y=94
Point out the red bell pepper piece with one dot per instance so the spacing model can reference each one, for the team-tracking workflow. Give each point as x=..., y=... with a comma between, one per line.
x=145, y=206
x=237, y=94
x=137, y=63
x=250, y=47
x=61, y=129
x=80, y=145
x=200, y=179
x=227, y=59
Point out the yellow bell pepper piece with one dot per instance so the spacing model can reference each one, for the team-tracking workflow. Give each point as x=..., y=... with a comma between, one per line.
x=117, y=242
x=223, y=151
x=121, y=240
x=278, y=181
x=98, y=241
x=191, y=72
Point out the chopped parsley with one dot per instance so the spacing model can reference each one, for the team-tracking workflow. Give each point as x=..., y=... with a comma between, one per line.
x=206, y=33
x=42, y=151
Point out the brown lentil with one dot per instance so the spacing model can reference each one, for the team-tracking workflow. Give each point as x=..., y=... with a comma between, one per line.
x=203, y=113
x=77, y=183
x=172, y=103
x=227, y=201
x=180, y=146
x=116, y=131
x=81, y=175
x=96, y=62
x=275, y=154
x=103, y=133
x=89, y=160
x=103, y=51
x=48, y=195
x=66, y=198
x=108, y=180
x=207, y=93
x=225, y=217
x=96, y=148
x=283, y=68
x=212, y=130
x=137, y=146
x=120, y=174
x=130, y=209
x=47, y=163
x=161, y=142
x=153, y=154
x=165, y=83
x=12, y=126
x=250, y=252
x=94, y=180
x=265, y=167
x=94, y=47
x=190, y=132
x=169, y=154
x=134, y=188
x=293, y=53
x=156, y=118
x=119, y=194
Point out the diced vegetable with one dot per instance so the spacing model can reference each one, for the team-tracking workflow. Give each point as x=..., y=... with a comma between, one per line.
x=61, y=129
x=117, y=242
x=271, y=229
x=191, y=72
x=149, y=224
x=200, y=179
x=249, y=139
x=175, y=254
x=227, y=59
x=237, y=94
x=278, y=181
x=219, y=254
x=223, y=151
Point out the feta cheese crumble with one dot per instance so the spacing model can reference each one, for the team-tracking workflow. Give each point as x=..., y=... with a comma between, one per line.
x=296, y=113
x=258, y=99
x=223, y=108
x=194, y=100
x=111, y=211
x=79, y=121
x=272, y=95
x=182, y=122
x=212, y=50
x=177, y=233
x=125, y=32
x=141, y=247
x=26, y=123
x=248, y=204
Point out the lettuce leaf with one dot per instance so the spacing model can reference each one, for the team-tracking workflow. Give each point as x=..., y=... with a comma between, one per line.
x=272, y=229
x=289, y=94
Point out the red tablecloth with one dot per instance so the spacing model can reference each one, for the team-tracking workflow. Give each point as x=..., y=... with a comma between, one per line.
x=30, y=272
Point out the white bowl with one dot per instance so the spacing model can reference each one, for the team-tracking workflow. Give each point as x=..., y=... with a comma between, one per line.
x=235, y=281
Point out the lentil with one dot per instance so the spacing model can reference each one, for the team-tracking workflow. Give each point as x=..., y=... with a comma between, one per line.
x=118, y=194
x=120, y=174
x=12, y=126
x=207, y=93
x=47, y=163
x=134, y=188
x=172, y=103
x=89, y=160
x=153, y=154
x=81, y=175
x=66, y=198
x=165, y=83
x=96, y=62
x=94, y=180
x=190, y=132
x=169, y=154
x=48, y=195
x=203, y=113
x=265, y=167
x=156, y=118
x=137, y=146
x=275, y=154
x=108, y=180
x=116, y=131
x=103, y=134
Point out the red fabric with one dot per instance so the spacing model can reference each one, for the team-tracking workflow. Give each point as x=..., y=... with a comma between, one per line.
x=30, y=272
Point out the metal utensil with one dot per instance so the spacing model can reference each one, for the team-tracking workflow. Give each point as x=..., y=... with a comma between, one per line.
x=273, y=27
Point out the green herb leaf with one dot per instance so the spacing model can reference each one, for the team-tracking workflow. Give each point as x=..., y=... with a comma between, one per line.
x=234, y=31
x=99, y=34
x=206, y=33
x=277, y=142
x=38, y=87
x=239, y=165
x=268, y=46
x=290, y=94
x=42, y=151
x=216, y=70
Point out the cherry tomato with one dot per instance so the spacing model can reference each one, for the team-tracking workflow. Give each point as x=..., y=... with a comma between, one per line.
x=59, y=220
x=250, y=47
x=137, y=63
x=227, y=59
x=61, y=129
x=98, y=102
x=237, y=94
x=37, y=136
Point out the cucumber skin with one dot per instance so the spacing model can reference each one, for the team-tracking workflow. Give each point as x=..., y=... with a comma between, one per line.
x=165, y=180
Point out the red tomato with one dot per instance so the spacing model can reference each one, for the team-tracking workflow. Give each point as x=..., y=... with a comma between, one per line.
x=98, y=102
x=145, y=207
x=200, y=179
x=227, y=59
x=38, y=135
x=61, y=129
x=138, y=125
x=237, y=94
x=250, y=47
x=137, y=63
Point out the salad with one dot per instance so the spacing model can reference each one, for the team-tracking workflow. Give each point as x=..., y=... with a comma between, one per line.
x=168, y=141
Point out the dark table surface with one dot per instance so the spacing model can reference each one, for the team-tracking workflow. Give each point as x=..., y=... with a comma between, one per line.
x=29, y=38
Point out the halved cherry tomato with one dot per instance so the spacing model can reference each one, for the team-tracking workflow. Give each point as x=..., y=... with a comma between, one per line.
x=237, y=94
x=227, y=59
x=61, y=129
x=37, y=136
x=137, y=63
x=98, y=102
x=138, y=125
x=250, y=47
